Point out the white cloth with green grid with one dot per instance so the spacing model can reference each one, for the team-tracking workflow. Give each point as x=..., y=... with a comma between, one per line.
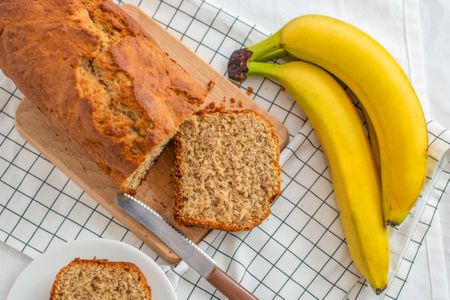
x=299, y=252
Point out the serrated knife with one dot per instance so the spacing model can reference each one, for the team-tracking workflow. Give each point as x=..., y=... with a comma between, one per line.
x=187, y=250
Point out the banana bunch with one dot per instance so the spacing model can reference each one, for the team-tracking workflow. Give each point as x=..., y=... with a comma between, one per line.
x=374, y=187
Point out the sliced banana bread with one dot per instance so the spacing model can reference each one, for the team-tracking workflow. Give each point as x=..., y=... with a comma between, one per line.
x=100, y=279
x=226, y=170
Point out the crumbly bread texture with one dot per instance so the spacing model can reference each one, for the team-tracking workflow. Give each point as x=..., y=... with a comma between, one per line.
x=100, y=279
x=99, y=78
x=226, y=170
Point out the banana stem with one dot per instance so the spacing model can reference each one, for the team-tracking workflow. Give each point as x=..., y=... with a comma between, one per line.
x=263, y=51
x=271, y=55
x=267, y=49
x=264, y=69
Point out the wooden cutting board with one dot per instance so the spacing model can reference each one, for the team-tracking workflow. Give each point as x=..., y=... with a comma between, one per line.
x=156, y=189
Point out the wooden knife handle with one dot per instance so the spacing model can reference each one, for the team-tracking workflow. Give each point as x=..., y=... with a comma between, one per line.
x=227, y=286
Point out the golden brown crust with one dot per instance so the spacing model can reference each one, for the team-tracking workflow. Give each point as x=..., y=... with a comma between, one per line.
x=186, y=220
x=97, y=77
x=103, y=262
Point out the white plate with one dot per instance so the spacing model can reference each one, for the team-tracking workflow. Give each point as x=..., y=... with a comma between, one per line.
x=35, y=282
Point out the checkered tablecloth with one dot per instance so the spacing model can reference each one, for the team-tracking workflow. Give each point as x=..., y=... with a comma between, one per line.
x=298, y=252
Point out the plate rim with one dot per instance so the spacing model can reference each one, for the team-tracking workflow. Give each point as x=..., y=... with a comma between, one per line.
x=58, y=248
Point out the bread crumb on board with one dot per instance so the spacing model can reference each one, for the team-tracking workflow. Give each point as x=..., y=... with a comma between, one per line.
x=226, y=103
x=211, y=85
x=249, y=91
x=213, y=107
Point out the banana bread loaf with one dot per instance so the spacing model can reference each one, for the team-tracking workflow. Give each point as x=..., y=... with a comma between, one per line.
x=226, y=170
x=93, y=72
x=99, y=279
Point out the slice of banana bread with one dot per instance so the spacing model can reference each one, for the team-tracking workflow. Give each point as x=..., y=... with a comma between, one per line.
x=100, y=279
x=226, y=170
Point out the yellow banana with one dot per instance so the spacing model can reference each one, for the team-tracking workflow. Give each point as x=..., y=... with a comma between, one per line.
x=381, y=86
x=341, y=133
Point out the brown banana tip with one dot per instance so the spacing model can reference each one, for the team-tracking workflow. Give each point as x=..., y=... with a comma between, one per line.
x=237, y=64
x=391, y=223
x=379, y=291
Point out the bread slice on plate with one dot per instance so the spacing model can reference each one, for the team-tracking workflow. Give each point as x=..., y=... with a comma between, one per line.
x=100, y=279
x=226, y=170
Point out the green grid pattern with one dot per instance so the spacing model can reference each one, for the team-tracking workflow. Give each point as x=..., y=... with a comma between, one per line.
x=299, y=252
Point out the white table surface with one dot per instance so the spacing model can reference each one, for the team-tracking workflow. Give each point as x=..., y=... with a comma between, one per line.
x=435, y=34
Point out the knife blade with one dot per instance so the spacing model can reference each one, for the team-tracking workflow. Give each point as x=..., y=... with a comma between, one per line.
x=187, y=250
